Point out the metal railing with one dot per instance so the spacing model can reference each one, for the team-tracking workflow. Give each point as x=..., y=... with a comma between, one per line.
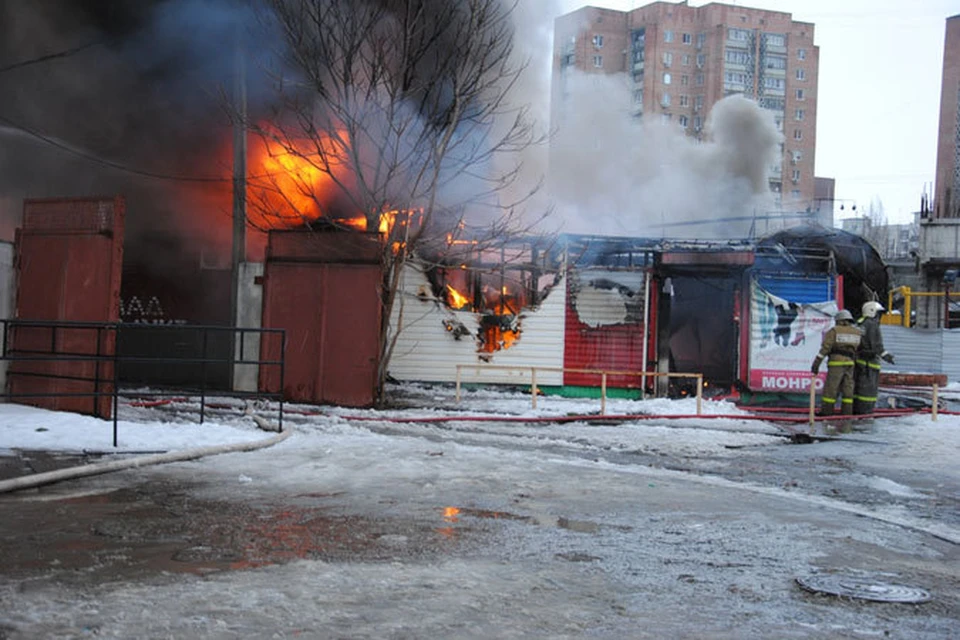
x=72, y=363
x=905, y=317
x=643, y=375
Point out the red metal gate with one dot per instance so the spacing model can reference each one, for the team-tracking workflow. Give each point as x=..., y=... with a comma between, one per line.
x=323, y=289
x=69, y=253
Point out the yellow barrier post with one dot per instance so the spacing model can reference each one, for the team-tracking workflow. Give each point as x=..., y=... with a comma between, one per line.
x=813, y=399
x=603, y=393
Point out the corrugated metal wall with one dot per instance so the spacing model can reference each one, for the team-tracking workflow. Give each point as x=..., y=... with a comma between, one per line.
x=802, y=288
x=427, y=351
x=69, y=253
x=923, y=350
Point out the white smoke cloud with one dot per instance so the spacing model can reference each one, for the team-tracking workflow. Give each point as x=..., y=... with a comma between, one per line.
x=611, y=173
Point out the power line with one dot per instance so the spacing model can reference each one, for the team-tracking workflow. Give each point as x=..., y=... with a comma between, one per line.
x=50, y=56
x=108, y=163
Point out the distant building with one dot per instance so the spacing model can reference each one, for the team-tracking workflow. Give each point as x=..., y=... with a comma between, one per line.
x=946, y=199
x=939, y=253
x=681, y=60
x=824, y=201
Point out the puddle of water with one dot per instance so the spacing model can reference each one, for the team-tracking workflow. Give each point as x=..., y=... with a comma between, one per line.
x=159, y=527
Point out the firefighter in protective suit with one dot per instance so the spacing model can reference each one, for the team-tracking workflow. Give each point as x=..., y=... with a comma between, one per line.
x=871, y=351
x=839, y=348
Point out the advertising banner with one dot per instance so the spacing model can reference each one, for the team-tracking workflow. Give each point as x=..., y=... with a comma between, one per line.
x=785, y=337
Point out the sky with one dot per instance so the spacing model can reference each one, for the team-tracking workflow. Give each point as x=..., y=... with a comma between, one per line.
x=881, y=64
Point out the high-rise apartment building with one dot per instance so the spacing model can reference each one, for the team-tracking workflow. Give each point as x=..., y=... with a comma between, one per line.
x=680, y=60
x=946, y=199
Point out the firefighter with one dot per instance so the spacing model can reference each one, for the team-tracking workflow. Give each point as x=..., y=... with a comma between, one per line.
x=839, y=348
x=871, y=351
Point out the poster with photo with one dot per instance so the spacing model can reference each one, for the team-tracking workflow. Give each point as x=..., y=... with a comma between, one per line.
x=785, y=337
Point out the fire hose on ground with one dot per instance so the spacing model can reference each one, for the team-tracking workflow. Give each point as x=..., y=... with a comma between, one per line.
x=99, y=468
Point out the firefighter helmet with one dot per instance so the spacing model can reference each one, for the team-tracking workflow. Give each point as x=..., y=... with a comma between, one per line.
x=843, y=315
x=871, y=309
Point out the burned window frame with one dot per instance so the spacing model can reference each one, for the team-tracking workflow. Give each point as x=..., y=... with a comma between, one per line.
x=526, y=267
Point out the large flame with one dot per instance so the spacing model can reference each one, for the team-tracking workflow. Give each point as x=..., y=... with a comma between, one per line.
x=286, y=187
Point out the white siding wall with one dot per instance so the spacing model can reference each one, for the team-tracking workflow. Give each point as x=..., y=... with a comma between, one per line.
x=427, y=352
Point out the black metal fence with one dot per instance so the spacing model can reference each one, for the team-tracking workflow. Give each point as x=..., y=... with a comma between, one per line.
x=86, y=367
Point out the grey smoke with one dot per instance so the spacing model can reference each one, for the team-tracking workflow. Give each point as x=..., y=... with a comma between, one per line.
x=611, y=173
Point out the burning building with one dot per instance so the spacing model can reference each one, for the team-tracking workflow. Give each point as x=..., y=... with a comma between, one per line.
x=746, y=316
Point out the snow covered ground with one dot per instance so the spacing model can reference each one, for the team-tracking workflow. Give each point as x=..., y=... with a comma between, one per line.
x=687, y=527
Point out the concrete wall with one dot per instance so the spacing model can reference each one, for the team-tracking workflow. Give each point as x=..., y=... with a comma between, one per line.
x=249, y=315
x=940, y=239
x=8, y=292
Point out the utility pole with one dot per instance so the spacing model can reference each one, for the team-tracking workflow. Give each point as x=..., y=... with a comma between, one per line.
x=239, y=191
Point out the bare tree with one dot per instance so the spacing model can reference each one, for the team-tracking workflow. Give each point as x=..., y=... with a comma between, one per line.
x=877, y=229
x=396, y=114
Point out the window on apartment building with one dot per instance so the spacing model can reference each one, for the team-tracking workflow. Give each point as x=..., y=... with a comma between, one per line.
x=798, y=114
x=735, y=77
x=668, y=36
x=798, y=134
x=684, y=101
x=637, y=96
x=699, y=80
x=697, y=123
x=795, y=175
x=667, y=58
x=735, y=56
x=801, y=74
x=795, y=194
x=776, y=62
x=797, y=156
x=777, y=120
x=686, y=38
x=701, y=38
x=801, y=54
x=741, y=35
x=684, y=80
x=772, y=103
x=667, y=78
x=598, y=61
x=684, y=121
x=774, y=83
x=701, y=60
x=665, y=99
x=776, y=40
x=598, y=40
x=685, y=61
x=799, y=94
x=698, y=103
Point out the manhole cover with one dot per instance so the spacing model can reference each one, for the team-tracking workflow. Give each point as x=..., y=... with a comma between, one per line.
x=863, y=588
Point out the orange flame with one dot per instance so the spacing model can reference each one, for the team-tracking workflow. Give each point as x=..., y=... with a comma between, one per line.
x=451, y=514
x=287, y=187
x=456, y=299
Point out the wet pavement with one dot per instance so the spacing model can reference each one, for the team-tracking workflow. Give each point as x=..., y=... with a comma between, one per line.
x=82, y=533
x=489, y=531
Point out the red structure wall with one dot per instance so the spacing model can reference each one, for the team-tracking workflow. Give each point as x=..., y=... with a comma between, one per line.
x=69, y=254
x=323, y=289
x=608, y=348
